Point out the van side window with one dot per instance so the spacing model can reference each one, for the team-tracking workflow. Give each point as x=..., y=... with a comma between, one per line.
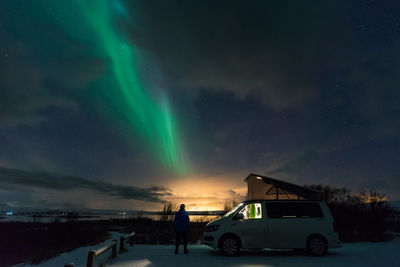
x=294, y=210
x=251, y=211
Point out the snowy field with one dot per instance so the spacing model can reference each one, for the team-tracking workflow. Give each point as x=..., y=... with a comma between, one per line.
x=356, y=254
x=351, y=254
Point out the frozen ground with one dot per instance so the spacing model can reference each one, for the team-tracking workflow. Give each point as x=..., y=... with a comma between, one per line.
x=351, y=254
x=355, y=254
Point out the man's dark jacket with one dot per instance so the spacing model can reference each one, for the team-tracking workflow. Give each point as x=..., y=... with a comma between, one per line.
x=181, y=221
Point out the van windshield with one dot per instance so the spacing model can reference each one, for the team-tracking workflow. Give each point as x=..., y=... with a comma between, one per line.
x=233, y=210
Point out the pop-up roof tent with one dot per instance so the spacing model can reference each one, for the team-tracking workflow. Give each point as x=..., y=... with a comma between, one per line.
x=261, y=187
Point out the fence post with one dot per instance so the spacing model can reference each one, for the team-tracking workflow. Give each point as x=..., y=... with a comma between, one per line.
x=121, y=244
x=114, y=249
x=90, y=259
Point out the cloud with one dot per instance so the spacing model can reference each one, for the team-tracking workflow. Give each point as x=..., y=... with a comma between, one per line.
x=297, y=164
x=22, y=86
x=266, y=49
x=40, y=66
x=4, y=206
x=24, y=179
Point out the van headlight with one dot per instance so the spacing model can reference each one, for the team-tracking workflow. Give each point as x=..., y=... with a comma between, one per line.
x=211, y=228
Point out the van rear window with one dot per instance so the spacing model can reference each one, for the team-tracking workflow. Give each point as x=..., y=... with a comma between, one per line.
x=294, y=210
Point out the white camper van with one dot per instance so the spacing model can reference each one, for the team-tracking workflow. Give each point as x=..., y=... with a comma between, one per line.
x=274, y=224
x=281, y=223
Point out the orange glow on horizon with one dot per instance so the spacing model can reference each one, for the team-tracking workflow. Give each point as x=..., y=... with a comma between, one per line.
x=206, y=194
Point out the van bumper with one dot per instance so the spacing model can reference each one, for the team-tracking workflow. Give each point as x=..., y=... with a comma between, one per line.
x=335, y=244
x=209, y=240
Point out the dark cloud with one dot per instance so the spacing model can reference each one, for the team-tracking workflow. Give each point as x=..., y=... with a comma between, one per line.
x=276, y=51
x=67, y=183
x=4, y=206
x=40, y=66
x=297, y=164
x=22, y=91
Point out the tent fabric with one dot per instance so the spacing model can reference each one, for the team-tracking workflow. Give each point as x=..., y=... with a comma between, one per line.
x=262, y=187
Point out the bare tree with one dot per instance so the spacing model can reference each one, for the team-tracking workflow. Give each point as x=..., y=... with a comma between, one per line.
x=167, y=214
x=228, y=205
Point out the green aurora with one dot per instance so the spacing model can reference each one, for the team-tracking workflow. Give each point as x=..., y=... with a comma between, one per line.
x=93, y=24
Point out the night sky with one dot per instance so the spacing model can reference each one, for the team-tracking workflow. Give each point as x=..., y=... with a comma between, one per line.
x=125, y=104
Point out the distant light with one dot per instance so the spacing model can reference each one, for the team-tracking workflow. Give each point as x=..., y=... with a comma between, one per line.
x=259, y=178
x=10, y=213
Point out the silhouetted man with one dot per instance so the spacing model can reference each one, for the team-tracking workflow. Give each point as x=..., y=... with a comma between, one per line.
x=181, y=225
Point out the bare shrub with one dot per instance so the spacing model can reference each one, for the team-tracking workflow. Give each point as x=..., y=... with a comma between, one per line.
x=228, y=205
x=203, y=219
x=167, y=213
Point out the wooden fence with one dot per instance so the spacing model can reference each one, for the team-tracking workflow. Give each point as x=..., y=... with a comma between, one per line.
x=113, y=246
x=122, y=241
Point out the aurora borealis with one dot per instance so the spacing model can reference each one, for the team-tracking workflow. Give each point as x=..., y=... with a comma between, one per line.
x=125, y=104
x=92, y=22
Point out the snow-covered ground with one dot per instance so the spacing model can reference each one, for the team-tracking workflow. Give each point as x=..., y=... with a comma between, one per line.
x=351, y=254
x=355, y=254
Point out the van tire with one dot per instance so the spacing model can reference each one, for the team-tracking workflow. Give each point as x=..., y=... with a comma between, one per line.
x=317, y=245
x=229, y=245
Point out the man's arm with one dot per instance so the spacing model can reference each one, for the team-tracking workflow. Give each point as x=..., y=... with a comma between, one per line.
x=187, y=220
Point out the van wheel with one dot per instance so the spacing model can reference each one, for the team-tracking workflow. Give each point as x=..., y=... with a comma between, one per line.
x=230, y=246
x=317, y=246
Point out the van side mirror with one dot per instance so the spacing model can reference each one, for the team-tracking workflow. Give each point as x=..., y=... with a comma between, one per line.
x=238, y=216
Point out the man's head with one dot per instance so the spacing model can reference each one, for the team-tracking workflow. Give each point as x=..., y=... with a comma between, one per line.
x=182, y=206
